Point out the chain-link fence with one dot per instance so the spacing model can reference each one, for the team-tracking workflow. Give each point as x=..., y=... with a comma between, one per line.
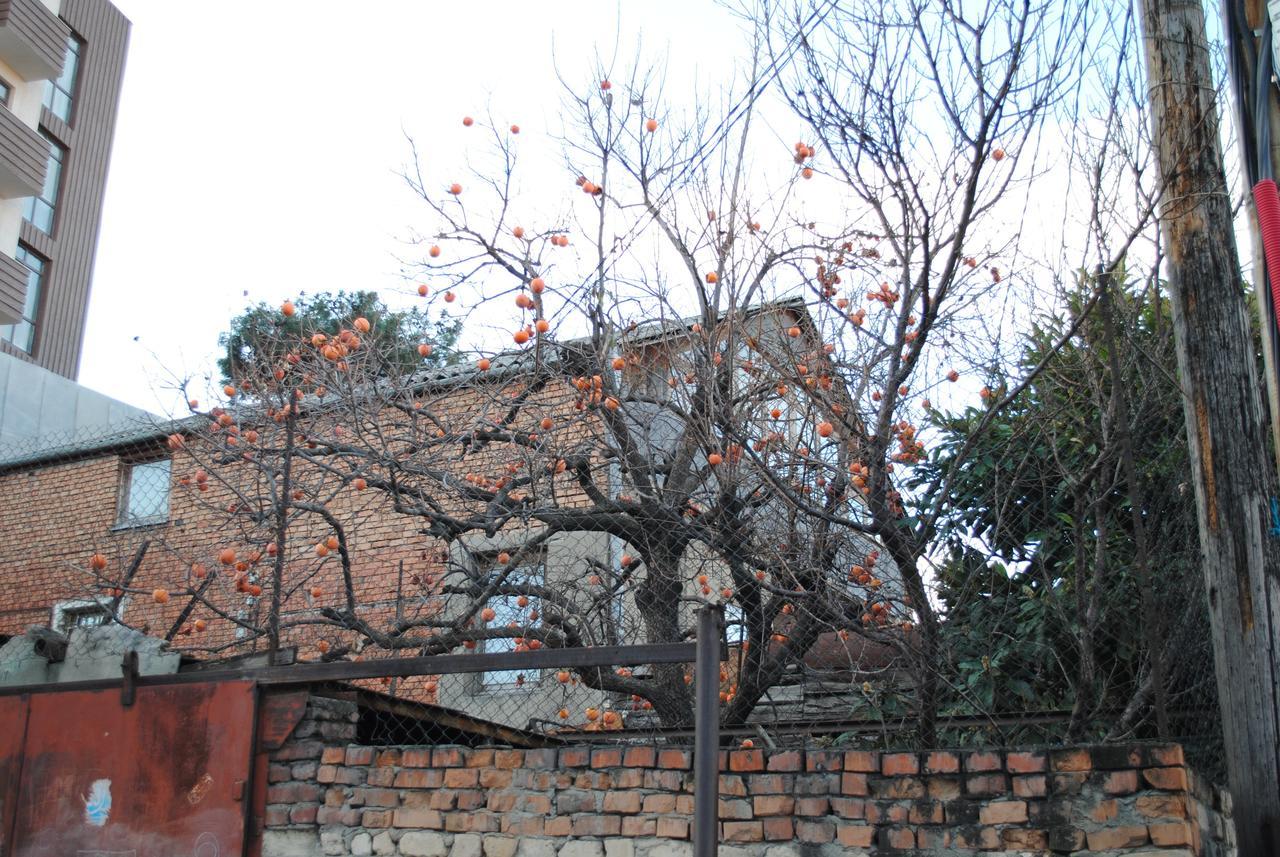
x=1032, y=578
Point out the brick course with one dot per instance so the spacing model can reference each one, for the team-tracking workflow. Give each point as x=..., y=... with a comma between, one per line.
x=865, y=802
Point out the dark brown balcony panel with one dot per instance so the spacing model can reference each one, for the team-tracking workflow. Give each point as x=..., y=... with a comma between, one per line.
x=13, y=288
x=32, y=39
x=24, y=156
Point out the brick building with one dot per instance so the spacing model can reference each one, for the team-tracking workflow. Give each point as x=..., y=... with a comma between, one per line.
x=130, y=500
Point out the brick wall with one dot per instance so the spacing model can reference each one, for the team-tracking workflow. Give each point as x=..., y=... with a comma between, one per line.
x=329, y=796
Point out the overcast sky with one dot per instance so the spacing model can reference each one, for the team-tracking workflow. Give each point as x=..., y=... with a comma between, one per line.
x=257, y=146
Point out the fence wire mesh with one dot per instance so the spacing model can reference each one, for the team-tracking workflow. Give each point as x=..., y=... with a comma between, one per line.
x=533, y=504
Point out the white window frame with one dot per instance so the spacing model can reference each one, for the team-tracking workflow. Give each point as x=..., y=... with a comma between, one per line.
x=123, y=519
x=483, y=684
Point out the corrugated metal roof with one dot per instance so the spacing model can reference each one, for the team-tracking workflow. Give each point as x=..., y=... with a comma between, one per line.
x=74, y=444
x=503, y=365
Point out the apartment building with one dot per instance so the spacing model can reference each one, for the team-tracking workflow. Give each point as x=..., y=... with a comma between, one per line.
x=61, y=68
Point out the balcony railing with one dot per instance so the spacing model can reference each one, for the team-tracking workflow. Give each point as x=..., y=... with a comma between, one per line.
x=24, y=157
x=13, y=288
x=33, y=41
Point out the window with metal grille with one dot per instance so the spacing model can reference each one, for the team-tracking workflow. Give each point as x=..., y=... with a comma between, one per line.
x=69, y=615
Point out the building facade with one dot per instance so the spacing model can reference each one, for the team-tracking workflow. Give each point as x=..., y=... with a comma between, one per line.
x=113, y=526
x=61, y=68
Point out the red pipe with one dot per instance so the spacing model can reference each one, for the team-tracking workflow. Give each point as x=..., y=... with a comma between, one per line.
x=1266, y=201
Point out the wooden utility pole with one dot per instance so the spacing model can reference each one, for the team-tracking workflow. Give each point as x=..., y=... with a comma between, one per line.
x=1230, y=448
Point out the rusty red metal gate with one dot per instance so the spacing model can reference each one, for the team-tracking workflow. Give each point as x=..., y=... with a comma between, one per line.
x=168, y=775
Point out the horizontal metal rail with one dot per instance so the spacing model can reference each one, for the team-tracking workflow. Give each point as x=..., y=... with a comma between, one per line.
x=579, y=657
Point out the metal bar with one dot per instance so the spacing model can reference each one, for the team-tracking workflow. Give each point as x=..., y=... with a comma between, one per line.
x=587, y=656
x=128, y=678
x=706, y=741
x=435, y=715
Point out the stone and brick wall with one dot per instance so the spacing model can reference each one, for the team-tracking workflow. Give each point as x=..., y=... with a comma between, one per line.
x=329, y=796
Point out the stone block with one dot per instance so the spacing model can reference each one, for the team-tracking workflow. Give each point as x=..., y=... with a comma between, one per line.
x=981, y=762
x=1123, y=836
x=417, y=818
x=863, y=761
x=898, y=764
x=743, y=831
x=1003, y=812
x=786, y=761
x=592, y=824
x=635, y=826
x=663, y=848
x=673, y=828
x=1025, y=763
x=499, y=846
x=467, y=845
x=582, y=848
x=941, y=762
x=769, y=784
x=1168, y=779
x=292, y=843
x=619, y=848
x=639, y=757
x=1032, y=785
x=681, y=760
x=448, y=757
x=778, y=829
x=855, y=835
x=1070, y=760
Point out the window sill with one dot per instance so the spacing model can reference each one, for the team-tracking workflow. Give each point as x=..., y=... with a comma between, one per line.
x=139, y=525
x=504, y=689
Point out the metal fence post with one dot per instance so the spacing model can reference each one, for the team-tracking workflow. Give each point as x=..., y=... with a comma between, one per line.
x=706, y=735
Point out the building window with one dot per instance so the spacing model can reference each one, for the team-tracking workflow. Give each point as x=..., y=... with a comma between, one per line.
x=735, y=624
x=60, y=93
x=23, y=333
x=39, y=210
x=69, y=615
x=144, y=493
x=5, y=92
x=507, y=609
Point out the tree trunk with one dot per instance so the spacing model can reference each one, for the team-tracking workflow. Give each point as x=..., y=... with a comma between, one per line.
x=1230, y=461
x=925, y=644
x=1137, y=504
x=658, y=601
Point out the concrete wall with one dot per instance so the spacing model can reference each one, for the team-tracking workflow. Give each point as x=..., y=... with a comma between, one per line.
x=328, y=796
x=36, y=403
x=92, y=653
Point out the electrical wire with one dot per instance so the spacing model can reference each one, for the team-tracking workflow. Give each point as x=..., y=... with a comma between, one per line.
x=1262, y=104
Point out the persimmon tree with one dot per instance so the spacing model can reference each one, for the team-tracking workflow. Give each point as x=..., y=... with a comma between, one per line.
x=936, y=118
x=718, y=385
